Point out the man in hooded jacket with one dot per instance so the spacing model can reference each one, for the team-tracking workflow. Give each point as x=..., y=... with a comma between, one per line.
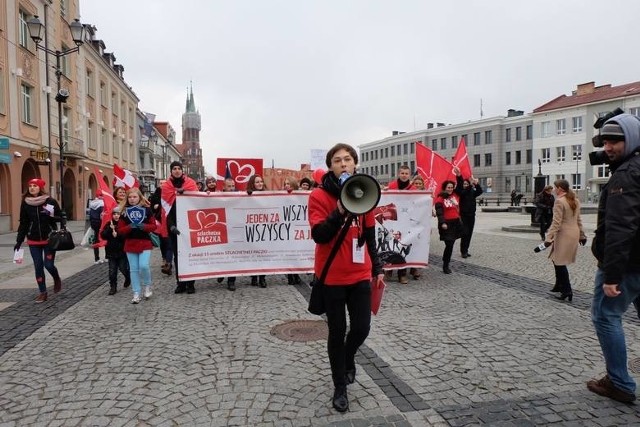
x=616, y=246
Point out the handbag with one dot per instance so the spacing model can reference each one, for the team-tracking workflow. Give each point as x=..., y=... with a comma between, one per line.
x=316, y=299
x=61, y=240
x=89, y=238
x=155, y=239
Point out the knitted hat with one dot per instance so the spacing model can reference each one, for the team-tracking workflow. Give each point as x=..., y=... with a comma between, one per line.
x=174, y=164
x=39, y=182
x=612, y=131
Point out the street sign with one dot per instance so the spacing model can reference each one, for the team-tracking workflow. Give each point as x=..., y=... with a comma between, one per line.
x=5, y=158
x=4, y=143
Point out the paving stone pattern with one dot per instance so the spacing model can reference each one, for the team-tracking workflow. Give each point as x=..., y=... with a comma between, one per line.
x=483, y=346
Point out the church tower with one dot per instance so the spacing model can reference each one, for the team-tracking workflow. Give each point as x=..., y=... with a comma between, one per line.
x=190, y=147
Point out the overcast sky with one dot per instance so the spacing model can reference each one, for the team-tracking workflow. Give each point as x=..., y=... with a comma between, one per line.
x=276, y=78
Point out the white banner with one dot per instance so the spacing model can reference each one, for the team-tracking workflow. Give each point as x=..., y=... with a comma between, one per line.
x=234, y=234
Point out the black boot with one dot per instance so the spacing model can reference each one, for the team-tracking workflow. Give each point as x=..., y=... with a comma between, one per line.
x=191, y=289
x=340, y=399
x=446, y=269
x=296, y=279
x=254, y=280
x=231, y=284
x=112, y=290
x=263, y=282
x=180, y=289
x=290, y=280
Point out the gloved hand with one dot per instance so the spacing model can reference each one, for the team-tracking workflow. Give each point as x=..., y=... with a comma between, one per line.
x=174, y=230
x=180, y=190
x=17, y=247
x=583, y=241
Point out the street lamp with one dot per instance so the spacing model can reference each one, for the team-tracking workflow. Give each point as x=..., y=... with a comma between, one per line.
x=36, y=32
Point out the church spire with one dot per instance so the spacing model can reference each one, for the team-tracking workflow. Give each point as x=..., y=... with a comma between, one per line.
x=191, y=105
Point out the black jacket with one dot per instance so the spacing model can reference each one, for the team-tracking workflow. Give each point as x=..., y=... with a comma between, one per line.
x=544, y=204
x=467, y=197
x=36, y=222
x=115, y=245
x=616, y=244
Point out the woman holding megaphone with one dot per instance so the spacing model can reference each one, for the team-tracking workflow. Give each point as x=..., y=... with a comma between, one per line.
x=347, y=282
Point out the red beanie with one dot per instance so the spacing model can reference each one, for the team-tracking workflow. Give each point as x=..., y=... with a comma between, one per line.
x=39, y=182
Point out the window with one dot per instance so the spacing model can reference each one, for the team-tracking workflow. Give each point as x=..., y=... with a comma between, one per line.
x=412, y=165
x=64, y=62
x=576, y=124
x=365, y=156
x=114, y=102
x=476, y=138
x=602, y=171
x=90, y=84
x=507, y=183
x=507, y=135
x=393, y=150
x=519, y=133
x=405, y=148
x=375, y=155
x=545, y=129
x=545, y=155
x=518, y=157
x=454, y=141
x=381, y=153
x=2, y=92
x=476, y=160
x=576, y=152
x=529, y=154
x=412, y=147
x=576, y=181
x=561, y=126
x=443, y=143
x=635, y=111
x=398, y=150
x=507, y=158
x=103, y=94
x=386, y=152
x=116, y=147
x=434, y=144
x=386, y=169
x=560, y=154
x=487, y=137
x=27, y=103
x=529, y=131
x=487, y=159
x=104, y=141
x=464, y=138
x=66, y=124
x=393, y=169
x=91, y=140
x=23, y=36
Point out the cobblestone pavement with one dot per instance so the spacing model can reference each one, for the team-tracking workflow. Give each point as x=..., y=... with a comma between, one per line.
x=487, y=345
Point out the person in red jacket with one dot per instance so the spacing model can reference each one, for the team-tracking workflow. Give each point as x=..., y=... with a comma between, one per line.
x=447, y=205
x=136, y=222
x=403, y=182
x=348, y=281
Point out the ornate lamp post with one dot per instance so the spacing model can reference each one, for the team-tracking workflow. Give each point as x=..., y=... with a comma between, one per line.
x=36, y=32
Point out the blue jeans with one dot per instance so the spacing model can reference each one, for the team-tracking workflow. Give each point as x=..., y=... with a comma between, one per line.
x=139, y=266
x=43, y=258
x=606, y=314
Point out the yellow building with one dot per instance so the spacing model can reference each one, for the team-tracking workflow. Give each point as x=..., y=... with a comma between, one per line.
x=98, y=108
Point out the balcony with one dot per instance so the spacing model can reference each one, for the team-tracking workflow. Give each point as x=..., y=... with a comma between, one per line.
x=74, y=148
x=144, y=174
x=145, y=145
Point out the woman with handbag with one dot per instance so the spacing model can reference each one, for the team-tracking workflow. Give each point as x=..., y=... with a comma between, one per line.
x=347, y=281
x=38, y=216
x=135, y=224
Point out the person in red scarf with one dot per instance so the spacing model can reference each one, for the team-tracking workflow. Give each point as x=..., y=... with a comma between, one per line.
x=177, y=183
x=447, y=205
x=38, y=216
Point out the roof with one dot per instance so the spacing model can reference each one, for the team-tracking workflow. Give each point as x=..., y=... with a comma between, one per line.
x=588, y=93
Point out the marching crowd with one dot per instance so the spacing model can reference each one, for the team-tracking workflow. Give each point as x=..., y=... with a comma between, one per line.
x=346, y=258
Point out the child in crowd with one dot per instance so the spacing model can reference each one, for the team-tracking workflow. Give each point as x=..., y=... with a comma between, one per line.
x=135, y=224
x=114, y=251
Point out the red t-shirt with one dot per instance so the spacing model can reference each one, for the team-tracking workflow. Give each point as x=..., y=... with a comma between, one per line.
x=451, y=206
x=343, y=271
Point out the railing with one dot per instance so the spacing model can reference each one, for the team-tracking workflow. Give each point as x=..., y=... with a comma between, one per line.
x=73, y=146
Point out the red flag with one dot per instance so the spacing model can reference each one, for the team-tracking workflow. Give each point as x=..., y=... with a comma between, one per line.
x=109, y=204
x=124, y=178
x=433, y=168
x=461, y=160
x=240, y=169
x=168, y=196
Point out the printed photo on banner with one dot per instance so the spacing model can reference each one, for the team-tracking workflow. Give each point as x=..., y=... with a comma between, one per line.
x=233, y=234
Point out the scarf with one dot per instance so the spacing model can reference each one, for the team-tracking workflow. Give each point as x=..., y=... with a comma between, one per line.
x=37, y=200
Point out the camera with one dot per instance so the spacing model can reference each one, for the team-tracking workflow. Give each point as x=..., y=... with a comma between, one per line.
x=598, y=157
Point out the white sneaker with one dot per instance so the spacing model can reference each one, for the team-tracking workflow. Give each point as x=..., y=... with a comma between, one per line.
x=136, y=299
x=147, y=292
x=97, y=262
